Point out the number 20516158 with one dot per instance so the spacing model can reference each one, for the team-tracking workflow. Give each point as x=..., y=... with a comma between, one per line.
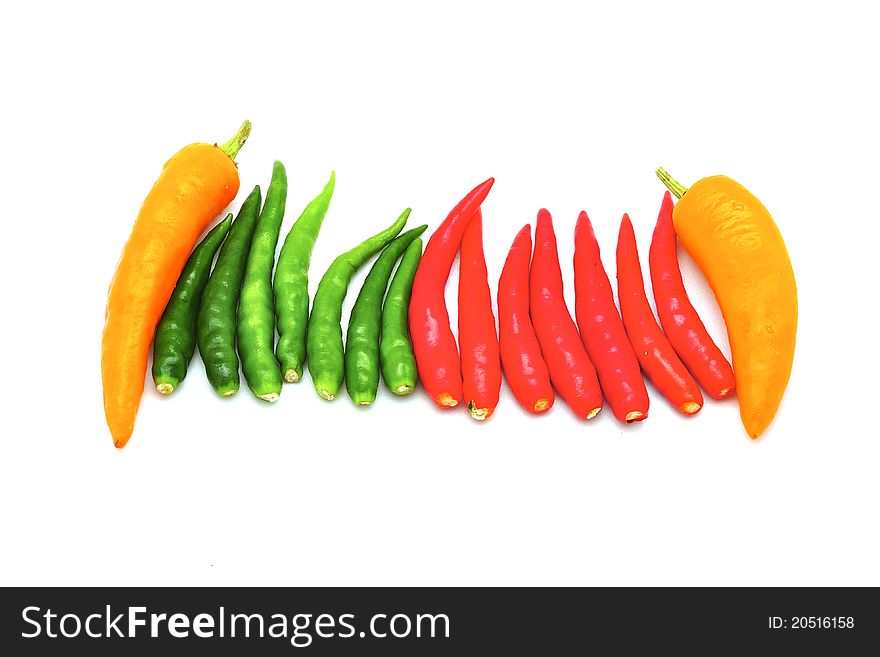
x=811, y=623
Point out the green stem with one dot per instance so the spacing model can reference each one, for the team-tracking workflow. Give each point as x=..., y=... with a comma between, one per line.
x=234, y=145
x=674, y=186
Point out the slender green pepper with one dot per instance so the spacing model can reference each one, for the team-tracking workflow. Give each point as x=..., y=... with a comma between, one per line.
x=216, y=323
x=292, y=284
x=175, y=340
x=399, y=370
x=364, y=324
x=256, y=313
x=324, y=341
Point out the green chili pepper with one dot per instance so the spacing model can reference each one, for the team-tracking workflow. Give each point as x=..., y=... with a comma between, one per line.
x=292, y=284
x=399, y=370
x=324, y=341
x=362, y=340
x=216, y=323
x=256, y=313
x=175, y=340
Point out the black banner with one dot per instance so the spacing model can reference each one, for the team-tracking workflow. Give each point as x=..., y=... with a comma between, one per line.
x=419, y=621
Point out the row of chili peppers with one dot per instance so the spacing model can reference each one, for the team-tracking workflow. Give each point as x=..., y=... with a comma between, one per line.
x=539, y=346
x=727, y=231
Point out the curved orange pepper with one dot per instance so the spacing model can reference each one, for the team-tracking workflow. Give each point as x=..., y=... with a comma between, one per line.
x=193, y=188
x=735, y=242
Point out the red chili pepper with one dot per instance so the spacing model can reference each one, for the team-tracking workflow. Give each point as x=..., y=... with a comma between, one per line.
x=680, y=321
x=433, y=343
x=521, y=358
x=656, y=356
x=477, y=338
x=602, y=329
x=571, y=370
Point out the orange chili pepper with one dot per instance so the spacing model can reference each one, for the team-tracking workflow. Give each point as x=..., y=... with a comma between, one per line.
x=734, y=240
x=195, y=185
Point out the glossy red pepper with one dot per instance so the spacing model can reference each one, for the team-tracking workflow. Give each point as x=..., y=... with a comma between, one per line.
x=656, y=355
x=679, y=319
x=433, y=342
x=521, y=358
x=571, y=370
x=477, y=337
x=602, y=329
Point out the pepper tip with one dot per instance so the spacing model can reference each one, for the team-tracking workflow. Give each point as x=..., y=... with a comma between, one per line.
x=691, y=407
x=445, y=400
x=478, y=414
x=541, y=405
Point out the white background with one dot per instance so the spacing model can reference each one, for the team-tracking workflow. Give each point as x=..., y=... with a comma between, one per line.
x=567, y=108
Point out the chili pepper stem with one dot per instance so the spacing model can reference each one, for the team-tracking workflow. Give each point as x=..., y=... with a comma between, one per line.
x=403, y=390
x=674, y=186
x=593, y=413
x=291, y=376
x=165, y=388
x=234, y=145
